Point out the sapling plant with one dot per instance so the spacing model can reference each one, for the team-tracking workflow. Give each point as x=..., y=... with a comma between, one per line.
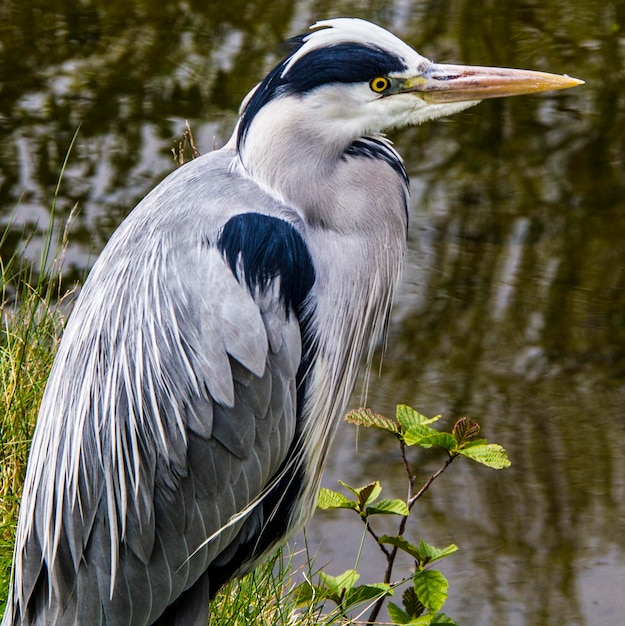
x=423, y=600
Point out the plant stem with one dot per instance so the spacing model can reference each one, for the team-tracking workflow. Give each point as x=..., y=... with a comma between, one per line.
x=392, y=554
x=429, y=481
x=372, y=532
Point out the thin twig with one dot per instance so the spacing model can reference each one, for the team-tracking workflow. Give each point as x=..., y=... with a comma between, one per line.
x=429, y=481
x=411, y=477
x=382, y=547
x=392, y=554
x=187, y=140
x=195, y=153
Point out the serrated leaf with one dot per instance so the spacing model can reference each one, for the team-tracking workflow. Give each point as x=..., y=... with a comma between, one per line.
x=444, y=440
x=365, y=593
x=441, y=618
x=429, y=553
x=349, y=487
x=366, y=417
x=404, y=545
x=418, y=433
x=424, y=553
x=424, y=620
x=329, y=499
x=368, y=493
x=408, y=417
x=398, y=615
x=464, y=430
x=339, y=585
x=388, y=507
x=431, y=588
x=475, y=442
x=491, y=455
x=307, y=594
x=414, y=607
x=304, y=593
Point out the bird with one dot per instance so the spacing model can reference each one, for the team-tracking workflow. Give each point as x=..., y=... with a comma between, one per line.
x=216, y=341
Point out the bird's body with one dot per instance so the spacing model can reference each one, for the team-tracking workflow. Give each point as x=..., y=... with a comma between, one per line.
x=215, y=345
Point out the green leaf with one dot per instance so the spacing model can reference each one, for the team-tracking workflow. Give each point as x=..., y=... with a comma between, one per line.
x=429, y=553
x=421, y=621
x=388, y=507
x=404, y=545
x=368, y=493
x=329, y=499
x=307, y=594
x=414, y=607
x=431, y=589
x=441, y=618
x=491, y=455
x=365, y=593
x=464, y=430
x=397, y=615
x=419, y=433
x=366, y=417
x=444, y=440
x=342, y=590
x=424, y=553
x=349, y=487
x=304, y=593
x=408, y=417
x=475, y=442
x=340, y=584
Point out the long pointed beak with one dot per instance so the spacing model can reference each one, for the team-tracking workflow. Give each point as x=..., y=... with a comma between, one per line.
x=442, y=83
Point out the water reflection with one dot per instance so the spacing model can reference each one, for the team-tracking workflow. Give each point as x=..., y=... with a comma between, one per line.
x=513, y=303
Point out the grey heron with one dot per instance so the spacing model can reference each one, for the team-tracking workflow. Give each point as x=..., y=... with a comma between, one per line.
x=215, y=344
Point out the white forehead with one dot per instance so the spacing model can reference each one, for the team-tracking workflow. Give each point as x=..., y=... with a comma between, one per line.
x=353, y=30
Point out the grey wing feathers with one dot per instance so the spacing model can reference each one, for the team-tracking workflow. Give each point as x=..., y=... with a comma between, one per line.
x=170, y=406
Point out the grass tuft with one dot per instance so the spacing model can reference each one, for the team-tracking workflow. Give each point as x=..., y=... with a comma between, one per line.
x=32, y=317
x=264, y=597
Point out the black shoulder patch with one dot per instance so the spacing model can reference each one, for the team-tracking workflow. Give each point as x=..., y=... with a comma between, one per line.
x=266, y=248
x=372, y=148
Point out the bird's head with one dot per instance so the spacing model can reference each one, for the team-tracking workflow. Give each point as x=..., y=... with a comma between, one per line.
x=348, y=78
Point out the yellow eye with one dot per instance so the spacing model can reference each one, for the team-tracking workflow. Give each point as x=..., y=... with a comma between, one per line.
x=380, y=84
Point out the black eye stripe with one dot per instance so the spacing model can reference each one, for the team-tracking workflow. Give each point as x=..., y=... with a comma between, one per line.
x=339, y=63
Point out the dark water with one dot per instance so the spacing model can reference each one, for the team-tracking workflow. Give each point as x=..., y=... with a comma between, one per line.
x=512, y=309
